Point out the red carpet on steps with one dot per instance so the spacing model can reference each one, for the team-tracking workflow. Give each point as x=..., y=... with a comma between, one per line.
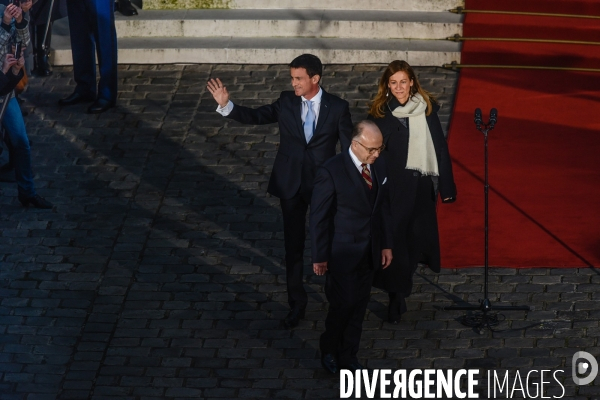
x=544, y=154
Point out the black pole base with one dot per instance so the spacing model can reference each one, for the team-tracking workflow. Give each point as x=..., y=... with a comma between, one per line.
x=485, y=318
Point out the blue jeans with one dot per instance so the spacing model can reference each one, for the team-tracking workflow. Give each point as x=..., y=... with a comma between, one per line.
x=15, y=129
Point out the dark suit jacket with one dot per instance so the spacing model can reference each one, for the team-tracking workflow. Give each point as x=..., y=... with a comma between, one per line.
x=343, y=224
x=296, y=161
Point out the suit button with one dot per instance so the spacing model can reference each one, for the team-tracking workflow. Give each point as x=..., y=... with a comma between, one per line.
x=415, y=174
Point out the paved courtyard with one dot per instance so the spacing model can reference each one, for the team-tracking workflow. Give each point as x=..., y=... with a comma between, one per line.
x=158, y=275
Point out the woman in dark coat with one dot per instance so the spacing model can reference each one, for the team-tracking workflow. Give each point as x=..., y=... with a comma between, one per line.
x=419, y=168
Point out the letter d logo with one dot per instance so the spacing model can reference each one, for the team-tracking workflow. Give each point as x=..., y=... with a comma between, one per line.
x=590, y=365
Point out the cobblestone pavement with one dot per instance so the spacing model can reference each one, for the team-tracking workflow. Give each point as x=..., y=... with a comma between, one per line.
x=158, y=274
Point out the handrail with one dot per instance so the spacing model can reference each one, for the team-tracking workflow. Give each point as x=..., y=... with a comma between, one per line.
x=458, y=38
x=455, y=65
x=460, y=10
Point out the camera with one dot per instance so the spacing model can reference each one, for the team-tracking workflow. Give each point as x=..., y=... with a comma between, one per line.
x=16, y=2
x=18, y=49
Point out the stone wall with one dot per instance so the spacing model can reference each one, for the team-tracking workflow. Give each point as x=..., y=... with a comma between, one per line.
x=182, y=4
x=404, y=5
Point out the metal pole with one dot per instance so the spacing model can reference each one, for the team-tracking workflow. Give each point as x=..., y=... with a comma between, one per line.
x=484, y=319
x=44, y=47
x=487, y=228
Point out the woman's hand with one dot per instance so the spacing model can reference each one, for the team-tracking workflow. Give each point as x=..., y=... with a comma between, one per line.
x=8, y=16
x=11, y=11
x=18, y=14
x=19, y=65
x=8, y=62
x=26, y=5
x=386, y=258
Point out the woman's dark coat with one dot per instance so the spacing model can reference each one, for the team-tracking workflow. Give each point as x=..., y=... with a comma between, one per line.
x=403, y=186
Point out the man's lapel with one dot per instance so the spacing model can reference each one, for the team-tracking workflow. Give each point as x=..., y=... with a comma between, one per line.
x=323, y=111
x=355, y=177
x=297, y=111
x=379, y=175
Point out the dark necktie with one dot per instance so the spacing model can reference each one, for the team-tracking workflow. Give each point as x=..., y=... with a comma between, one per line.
x=366, y=174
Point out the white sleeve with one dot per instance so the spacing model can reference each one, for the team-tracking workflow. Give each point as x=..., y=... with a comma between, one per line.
x=225, y=111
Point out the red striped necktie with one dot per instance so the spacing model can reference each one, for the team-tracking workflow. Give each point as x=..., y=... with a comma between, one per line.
x=366, y=174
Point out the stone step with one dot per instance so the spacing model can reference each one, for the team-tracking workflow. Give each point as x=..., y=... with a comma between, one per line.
x=384, y=5
x=161, y=50
x=291, y=23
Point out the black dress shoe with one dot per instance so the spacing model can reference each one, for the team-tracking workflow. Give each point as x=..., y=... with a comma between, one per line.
x=37, y=201
x=396, y=308
x=75, y=98
x=293, y=317
x=100, y=106
x=329, y=363
x=126, y=8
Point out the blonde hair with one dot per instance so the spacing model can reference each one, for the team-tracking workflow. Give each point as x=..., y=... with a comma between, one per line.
x=376, y=107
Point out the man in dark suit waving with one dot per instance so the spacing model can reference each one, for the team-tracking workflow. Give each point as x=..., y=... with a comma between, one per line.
x=311, y=122
x=350, y=227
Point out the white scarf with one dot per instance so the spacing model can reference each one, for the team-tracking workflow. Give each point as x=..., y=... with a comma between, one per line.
x=421, y=153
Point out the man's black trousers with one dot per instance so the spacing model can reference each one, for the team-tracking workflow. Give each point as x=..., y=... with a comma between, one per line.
x=294, y=235
x=348, y=296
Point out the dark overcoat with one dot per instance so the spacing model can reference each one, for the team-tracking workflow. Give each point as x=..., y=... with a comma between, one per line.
x=403, y=189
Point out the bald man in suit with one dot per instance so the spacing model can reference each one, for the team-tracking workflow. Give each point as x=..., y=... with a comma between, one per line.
x=351, y=232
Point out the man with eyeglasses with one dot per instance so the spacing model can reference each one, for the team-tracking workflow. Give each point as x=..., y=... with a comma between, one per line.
x=371, y=150
x=351, y=232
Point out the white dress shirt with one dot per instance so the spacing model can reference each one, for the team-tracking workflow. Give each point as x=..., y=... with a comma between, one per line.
x=225, y=111
x=357, y=162
x=316, y=103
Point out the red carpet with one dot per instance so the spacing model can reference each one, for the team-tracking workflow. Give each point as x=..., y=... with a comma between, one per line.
x=544, y=152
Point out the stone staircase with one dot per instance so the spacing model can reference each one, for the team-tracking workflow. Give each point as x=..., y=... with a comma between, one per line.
x=274, y=32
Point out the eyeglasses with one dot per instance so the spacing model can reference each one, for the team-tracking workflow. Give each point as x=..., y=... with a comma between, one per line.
x=371, y=150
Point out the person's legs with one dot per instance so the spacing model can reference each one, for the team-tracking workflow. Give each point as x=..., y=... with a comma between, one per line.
x=358, y=301
x=294, y=234
x=7, y=159
x=105, y=36
x=15, y=129
x=82, y=46
x=338, y=293
x=424, y=235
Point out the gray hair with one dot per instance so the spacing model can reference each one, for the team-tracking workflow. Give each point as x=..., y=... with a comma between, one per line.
x=360, y=126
